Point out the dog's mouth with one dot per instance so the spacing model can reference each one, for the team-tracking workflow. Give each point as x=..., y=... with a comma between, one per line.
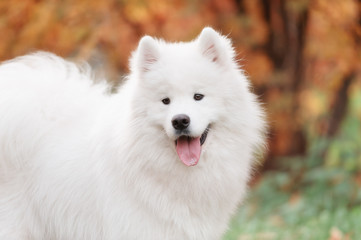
x=189, y=148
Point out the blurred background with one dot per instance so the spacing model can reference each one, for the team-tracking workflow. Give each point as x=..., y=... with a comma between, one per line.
x=303, y=57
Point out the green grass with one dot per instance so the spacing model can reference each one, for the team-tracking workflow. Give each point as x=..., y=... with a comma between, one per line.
x=313, y=204
x=317, y=196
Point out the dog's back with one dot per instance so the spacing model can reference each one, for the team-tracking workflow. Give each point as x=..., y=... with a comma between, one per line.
x=45, y=104
x=40, y=93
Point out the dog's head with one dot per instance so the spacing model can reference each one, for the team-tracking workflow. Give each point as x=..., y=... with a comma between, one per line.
x=184, y=88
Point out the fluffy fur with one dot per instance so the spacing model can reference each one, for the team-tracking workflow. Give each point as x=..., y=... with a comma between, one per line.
x=77, y=162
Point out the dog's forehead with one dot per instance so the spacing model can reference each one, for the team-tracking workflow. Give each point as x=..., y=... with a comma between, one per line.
x=183, y=70
x=186, y=80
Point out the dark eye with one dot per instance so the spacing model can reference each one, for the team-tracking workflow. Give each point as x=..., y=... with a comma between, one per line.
x=198, y=96
x=166, y=101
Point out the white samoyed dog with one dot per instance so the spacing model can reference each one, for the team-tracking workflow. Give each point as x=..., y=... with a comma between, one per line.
x=166, y=157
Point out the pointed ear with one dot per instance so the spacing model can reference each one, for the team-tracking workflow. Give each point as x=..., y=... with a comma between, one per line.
x=210, y=45
x=147, y=53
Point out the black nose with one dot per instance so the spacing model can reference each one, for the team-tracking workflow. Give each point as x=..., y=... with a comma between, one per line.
x=180, y=121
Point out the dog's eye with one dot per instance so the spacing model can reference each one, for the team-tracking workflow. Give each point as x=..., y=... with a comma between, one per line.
x=166, y=101
x=198, y=96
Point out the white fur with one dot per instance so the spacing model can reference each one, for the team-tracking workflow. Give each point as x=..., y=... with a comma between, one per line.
x=77, y=162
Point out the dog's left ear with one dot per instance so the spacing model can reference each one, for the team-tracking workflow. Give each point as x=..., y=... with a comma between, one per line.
x=210, y=43
x=147, y=53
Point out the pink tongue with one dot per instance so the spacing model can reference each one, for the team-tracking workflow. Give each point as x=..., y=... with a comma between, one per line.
x=189, y=150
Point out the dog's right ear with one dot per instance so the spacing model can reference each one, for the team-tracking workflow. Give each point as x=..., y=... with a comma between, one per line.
x=147, y=54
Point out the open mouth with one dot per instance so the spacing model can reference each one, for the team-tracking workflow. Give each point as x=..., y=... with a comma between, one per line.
x=204, y=135
x=189, y=148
